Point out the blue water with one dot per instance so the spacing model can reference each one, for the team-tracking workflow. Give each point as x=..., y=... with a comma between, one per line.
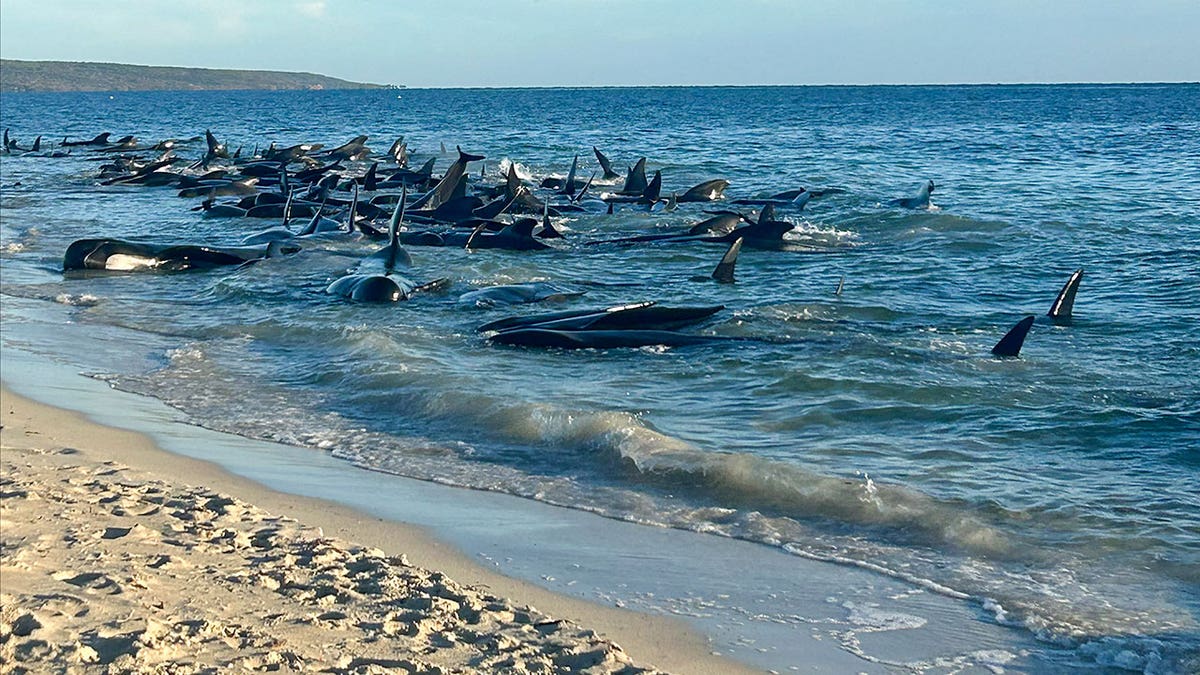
x=1057, y=491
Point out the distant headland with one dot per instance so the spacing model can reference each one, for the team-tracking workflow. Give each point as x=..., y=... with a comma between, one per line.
x=83, y=76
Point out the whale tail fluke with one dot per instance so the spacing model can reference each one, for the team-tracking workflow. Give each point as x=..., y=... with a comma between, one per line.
x=609, y=174
x=724, y=272
x=465, y=157
x=1010, y=344
x=1060, y=311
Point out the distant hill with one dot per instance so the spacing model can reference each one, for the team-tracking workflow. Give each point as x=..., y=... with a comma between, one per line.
x=72, y=76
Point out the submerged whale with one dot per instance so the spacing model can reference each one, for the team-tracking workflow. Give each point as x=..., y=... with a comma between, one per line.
x=638, y=325
x=646, y=315
x=601, y=339
x=796, y=199
x=516, y=294
x=918, y=201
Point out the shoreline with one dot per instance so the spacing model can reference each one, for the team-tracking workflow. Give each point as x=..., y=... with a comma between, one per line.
x=752, y=608
x=35, y=433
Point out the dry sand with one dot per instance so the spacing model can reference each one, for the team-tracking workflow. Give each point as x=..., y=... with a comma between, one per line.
x=116, y=556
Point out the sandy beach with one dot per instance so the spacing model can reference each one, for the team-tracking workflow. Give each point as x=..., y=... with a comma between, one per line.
x=118, y=556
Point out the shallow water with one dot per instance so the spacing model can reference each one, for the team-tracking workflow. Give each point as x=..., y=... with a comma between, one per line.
x=1057, y=491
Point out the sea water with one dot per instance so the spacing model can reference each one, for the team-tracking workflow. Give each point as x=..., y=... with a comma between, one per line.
x=1056, y=492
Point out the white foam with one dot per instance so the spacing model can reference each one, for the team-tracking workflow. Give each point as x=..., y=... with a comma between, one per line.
x=869, y=617
x=83, y=300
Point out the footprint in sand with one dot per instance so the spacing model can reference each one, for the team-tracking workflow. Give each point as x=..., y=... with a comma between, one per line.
x=89, y=581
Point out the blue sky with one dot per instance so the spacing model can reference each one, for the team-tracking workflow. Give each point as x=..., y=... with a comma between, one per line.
x=627, y=42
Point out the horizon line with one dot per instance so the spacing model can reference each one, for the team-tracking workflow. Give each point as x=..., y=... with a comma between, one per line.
x=623, y=86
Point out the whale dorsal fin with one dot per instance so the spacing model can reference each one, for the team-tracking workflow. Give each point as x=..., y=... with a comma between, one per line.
x=370, y=180
x=353, y=211
x=460, y=189
x=583, y=191
x=1010, y=344
x=394, y=230
x=654, y=189
x=724, y=272
x=316, y=219
x=767, y=215
x=1060, y=311
x=635, y=180
x=548, y=230
x=287, y=210
x=569, y=188
x=512, y=182
x=427, y=168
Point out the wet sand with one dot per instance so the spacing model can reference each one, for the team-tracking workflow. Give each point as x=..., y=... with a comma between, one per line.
x=117, y=554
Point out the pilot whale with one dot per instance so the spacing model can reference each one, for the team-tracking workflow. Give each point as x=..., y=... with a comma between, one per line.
x=918, y=201
x=376, y=278
x=515, y=294
x=130, y=256
x=601, y=339
x=647, y=315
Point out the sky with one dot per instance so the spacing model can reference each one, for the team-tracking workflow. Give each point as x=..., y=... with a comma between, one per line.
x=507, y=43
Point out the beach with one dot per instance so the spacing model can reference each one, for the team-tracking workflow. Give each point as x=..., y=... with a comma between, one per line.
x=118, y=555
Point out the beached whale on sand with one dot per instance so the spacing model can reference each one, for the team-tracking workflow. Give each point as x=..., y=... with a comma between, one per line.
x=131, y=256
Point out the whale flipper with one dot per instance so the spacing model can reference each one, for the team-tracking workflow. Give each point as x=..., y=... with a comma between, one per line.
x=1060, y=311
x=724, y=272
x=1010, y=344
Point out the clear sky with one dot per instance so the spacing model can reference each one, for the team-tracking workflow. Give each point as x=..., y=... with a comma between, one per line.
x=631, y=42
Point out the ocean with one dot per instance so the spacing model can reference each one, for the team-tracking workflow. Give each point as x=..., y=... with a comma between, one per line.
x=1057, y=493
